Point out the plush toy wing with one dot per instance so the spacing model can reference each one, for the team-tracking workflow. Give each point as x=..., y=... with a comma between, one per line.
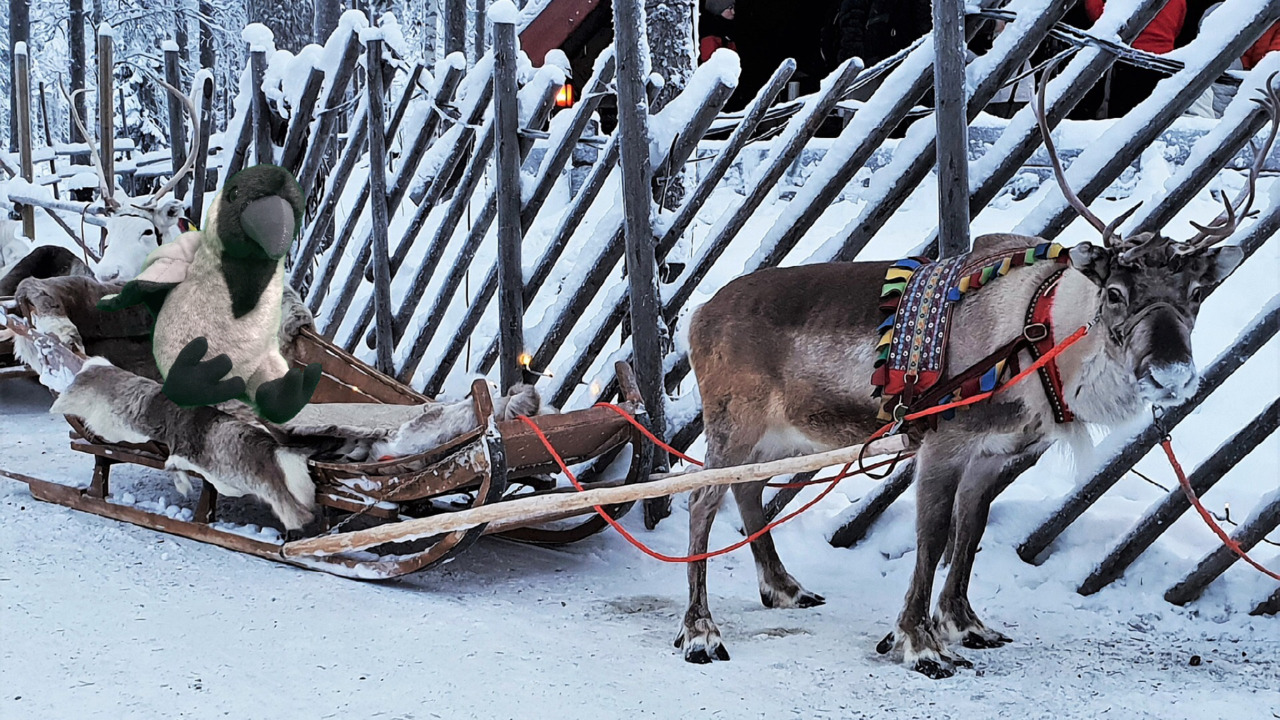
x=162, y=271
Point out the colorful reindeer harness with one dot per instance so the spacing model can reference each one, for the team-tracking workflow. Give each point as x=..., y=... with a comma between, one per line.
x=918, y=297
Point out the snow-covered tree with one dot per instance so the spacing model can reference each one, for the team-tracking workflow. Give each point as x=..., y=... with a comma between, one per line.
x=290, y=20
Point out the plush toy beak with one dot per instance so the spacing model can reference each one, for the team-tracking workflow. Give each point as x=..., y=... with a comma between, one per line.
x=269, y=222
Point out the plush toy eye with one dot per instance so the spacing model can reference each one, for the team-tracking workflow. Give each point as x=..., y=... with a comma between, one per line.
x=232, y=193
x=1114, y=296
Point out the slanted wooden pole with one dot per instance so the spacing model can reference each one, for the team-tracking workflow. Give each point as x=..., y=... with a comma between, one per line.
x=22, y=95
x=953, y=127
x=641, y=246
x=378, y=208
x=262, y=150
x=204, y=83
x=538, y=506
x=106, y=105
x=1167, y=511
x=507, y=159
x=177, y=138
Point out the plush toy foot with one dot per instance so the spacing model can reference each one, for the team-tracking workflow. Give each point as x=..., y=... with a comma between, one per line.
x=280, y=399
x=195, y=382
x=138, y=292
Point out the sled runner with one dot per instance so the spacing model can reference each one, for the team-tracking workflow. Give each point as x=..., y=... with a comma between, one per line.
x=494, y=461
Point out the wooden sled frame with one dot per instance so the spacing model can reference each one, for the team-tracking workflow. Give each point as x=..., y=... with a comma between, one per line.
x=481, y=464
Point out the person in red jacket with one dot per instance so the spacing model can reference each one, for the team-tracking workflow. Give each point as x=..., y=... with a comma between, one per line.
x=1131, y=85
x=1268, y=43
x=715, y=27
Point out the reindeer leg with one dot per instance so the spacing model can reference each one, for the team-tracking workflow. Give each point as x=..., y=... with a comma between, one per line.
x=985, y=479
x=778, y=589
x=938, y=473
x=699, y=637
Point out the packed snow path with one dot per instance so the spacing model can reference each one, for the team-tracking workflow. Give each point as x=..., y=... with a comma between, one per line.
x=100, y=619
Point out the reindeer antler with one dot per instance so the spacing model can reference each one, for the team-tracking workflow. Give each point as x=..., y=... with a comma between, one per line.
x=1228, y=221
x=187, y=166
x=105, y=185
x=1074, y=200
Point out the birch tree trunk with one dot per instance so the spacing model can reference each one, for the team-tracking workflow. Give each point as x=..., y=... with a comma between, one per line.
x=673, y=49
x=421, y=19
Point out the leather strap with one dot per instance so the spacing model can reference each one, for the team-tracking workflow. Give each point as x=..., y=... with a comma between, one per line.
x=1036, y=339
x=1038, y=331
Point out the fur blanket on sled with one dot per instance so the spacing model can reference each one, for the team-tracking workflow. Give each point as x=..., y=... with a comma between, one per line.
x=227, y=444
x=240, y=456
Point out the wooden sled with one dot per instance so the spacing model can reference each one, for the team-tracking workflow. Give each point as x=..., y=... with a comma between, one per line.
x=475, y=469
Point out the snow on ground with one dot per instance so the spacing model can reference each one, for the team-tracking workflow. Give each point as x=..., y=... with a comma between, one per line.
x=100, y=619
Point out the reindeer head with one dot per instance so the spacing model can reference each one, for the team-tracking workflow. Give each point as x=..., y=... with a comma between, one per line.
x=136, y=226
x=1150, y=287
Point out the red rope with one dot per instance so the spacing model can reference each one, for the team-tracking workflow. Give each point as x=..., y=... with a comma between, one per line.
x=686, y=558
x=652, y=438
x=1190, y=492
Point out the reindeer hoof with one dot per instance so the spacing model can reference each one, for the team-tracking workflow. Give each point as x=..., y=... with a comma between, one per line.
x=884, y=646
x=933, y=670
x=977, y=641
x=958, y=661
x=701, y=643
x=787, y=593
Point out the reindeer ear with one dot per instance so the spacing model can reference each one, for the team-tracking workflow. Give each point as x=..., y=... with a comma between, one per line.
x=1093, y=261
x=1222, y=261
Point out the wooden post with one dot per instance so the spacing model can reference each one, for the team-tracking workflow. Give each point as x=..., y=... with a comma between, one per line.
x=507, y=161
x=262, y=150
x=22, y=95
x=178, y=146
x=106, y=105
x=378, y=190
x=953, y=127
x=195, y=209
x=641, y=246
x=48, y=136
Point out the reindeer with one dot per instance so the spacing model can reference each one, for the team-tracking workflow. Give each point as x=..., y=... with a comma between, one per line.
x=783, y=359
x=136, y=226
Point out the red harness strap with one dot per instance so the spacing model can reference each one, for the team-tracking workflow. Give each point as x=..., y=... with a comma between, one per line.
x=1038, y=331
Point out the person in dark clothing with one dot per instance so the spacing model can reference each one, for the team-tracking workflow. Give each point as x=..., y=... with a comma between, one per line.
x=715, y=28
x=875, y=29
x=1125, y=86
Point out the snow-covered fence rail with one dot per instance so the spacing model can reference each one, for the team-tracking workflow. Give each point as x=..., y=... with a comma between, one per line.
x=573, y=295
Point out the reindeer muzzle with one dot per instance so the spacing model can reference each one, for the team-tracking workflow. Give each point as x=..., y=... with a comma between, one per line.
x=269, y=222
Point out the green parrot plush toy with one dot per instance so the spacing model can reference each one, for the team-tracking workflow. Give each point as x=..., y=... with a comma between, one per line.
x=216, y=296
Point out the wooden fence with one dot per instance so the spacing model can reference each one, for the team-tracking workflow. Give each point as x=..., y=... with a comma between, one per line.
x=402, y=263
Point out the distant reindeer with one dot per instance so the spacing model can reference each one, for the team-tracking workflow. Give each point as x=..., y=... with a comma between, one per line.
x=136, y=226
x=784, y=358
